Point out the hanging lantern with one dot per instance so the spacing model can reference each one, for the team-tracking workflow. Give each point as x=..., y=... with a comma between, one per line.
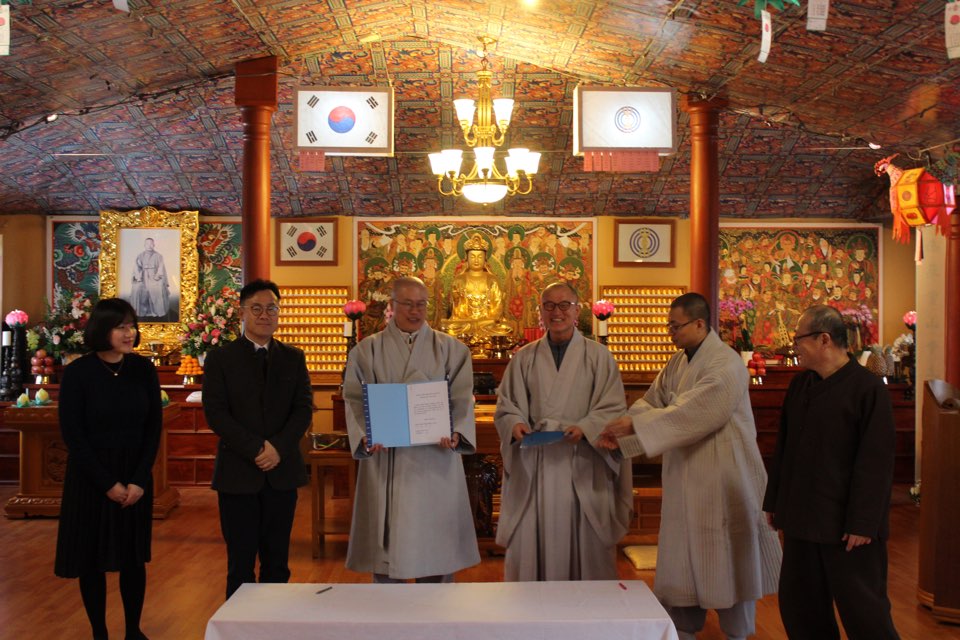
x=922, y=198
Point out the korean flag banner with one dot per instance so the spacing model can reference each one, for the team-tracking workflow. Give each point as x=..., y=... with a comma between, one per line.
x=345, y=121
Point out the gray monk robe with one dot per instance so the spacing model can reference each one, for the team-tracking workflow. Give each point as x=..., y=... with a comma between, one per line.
x=564, y=506
x=715, y=548
x=411, y=513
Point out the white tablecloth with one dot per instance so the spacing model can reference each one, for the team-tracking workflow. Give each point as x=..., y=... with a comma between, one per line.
x=600, y=610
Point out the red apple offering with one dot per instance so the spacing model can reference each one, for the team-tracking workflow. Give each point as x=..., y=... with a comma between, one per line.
x=41, y=353
x=48, y=361
x=34, y=360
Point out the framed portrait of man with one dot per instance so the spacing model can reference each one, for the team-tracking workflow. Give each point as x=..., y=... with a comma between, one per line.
x=149, y=258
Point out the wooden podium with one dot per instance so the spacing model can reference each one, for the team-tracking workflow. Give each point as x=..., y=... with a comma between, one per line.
x=43, y=463
x=938, y=586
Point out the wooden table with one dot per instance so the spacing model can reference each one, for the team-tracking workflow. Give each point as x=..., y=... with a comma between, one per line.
x=322, y=462
x=43, y=463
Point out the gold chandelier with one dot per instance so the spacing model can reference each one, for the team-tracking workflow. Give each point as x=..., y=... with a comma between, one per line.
x=485, y=182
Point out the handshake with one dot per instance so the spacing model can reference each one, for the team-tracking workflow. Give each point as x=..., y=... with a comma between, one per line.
x=622, y=426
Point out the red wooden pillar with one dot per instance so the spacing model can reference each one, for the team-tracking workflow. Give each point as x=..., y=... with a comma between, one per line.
x=256, y=95
x=951, y=305
x=704, y=199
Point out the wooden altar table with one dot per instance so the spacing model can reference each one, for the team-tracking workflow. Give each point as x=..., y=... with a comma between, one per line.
x=43, y=463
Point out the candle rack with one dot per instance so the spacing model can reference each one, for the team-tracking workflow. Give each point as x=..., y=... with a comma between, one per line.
x=311, y=318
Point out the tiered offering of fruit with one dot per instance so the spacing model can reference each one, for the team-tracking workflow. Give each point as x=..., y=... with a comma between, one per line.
x=189, y=366
x=757, y=366
x=41, y=363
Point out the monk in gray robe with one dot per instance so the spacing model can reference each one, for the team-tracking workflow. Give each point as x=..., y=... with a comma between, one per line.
x=411, y=513
x=564, y=506
x=151, y=288
x=716, y=550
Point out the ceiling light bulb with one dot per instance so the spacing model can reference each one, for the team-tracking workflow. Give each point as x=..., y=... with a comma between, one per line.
x=874, y=145
x=52, y=117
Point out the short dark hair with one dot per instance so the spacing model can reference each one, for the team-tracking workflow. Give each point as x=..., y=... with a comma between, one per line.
x=256, y=286
x=824, y=319
x=694, y=306
x=107, y=315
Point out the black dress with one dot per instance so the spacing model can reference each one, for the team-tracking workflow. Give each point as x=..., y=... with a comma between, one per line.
x=110, y=419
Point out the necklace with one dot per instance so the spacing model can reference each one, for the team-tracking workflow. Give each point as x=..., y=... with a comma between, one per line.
x=116, y=371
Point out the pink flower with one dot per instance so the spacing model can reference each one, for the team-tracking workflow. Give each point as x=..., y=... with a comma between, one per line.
x=17, y=318
x=355, y=309
x=909, y=319
x=602, y=309
x=215, y=333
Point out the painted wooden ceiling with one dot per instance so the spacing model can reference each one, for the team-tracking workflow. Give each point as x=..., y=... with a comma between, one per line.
x=150, y=94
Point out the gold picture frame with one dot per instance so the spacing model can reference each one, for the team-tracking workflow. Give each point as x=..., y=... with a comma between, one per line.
x=163, y=290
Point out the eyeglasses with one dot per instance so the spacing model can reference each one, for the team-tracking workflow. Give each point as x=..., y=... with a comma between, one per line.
x=673, y=327
x=563, y=306
x=410, y=305
x=258, y=309
x=797, y=339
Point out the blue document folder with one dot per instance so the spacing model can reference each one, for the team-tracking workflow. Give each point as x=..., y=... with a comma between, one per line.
x=540, y=438
x=404, y=415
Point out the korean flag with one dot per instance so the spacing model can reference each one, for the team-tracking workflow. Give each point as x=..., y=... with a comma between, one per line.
x=348, y=121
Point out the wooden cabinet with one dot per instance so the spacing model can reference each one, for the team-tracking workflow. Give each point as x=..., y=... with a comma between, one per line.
x=938, y=585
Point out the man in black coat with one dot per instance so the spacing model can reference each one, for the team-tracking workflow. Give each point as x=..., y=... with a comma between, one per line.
x=257, y=398
x=829, y=489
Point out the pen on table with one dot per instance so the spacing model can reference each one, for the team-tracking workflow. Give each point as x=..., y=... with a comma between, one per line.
x=324, y=590
x=622, y=586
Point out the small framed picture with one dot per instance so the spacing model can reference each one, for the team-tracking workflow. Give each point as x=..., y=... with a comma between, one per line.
x=307, y=241
x=644, y=242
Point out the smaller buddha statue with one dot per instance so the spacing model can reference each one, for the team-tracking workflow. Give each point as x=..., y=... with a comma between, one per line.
x=476, y=297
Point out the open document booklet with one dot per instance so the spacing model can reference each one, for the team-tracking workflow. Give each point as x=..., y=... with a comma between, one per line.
x=403, y=415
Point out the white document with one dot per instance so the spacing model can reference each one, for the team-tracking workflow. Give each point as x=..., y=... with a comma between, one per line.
x=428, y=410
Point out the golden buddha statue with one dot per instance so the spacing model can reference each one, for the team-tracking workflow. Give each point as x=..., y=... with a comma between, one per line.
x=476, y=297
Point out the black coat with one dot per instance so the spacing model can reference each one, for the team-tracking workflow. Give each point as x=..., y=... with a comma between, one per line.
x=244, y=408
x=833, y=467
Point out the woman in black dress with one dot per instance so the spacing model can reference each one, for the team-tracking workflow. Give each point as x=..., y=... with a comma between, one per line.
x=110, y=418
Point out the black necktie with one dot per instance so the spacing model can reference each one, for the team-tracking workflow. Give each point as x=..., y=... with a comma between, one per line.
x=261, y=357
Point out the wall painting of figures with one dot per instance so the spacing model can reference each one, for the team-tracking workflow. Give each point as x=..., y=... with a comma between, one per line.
x=523, y=255
x=770, y=274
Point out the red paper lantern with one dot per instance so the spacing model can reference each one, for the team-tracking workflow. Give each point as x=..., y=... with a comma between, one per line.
x=922, y=197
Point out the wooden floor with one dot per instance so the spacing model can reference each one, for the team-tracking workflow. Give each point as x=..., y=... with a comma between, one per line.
x=185, y=581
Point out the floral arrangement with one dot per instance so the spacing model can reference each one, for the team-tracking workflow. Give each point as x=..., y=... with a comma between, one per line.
x=734, y=307
x=217, y=321
x=61, y=331
x=909, y=319
x=734, y=314
x=602, y=309
x=354, y=309
x=902, y=346
x=17, y=318
x=862, y=318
